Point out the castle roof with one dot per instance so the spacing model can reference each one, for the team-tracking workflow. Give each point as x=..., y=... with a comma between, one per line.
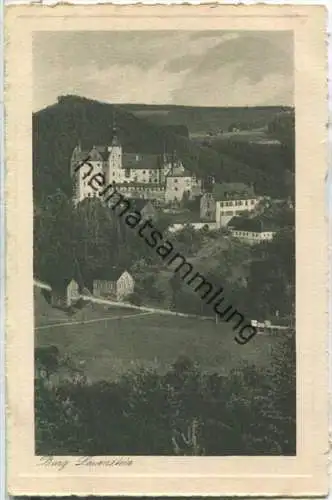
x=98, y=153
x=79, y=155
x=141, y=161
x=135, y=161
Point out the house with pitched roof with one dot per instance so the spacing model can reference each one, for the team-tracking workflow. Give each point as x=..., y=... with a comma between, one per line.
x=115, y=284
x=229, y=200
x=223, y=192
x=252, y=230
x=65, y=294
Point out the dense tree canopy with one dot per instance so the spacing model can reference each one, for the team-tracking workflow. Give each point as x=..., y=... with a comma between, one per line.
x=184, y=411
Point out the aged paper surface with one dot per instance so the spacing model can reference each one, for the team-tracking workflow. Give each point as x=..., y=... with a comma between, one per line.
x=99, y=401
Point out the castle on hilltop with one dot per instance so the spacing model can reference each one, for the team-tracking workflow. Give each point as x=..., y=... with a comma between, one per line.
x=160, y=178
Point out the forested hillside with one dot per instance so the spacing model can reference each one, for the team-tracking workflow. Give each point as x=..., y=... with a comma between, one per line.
x=58, y=128
x=199, y=119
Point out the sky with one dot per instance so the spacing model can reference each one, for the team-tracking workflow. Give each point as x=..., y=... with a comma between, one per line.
x=197, y=68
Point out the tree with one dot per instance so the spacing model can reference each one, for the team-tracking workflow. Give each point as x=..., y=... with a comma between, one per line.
x=185, y=411
x=185, y=199
x=282, y=127
x=96, y=238
x=53, y=239
x=271, y=283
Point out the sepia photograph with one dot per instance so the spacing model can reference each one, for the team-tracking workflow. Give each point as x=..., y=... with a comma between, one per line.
x=167, y=209
x=164, y=243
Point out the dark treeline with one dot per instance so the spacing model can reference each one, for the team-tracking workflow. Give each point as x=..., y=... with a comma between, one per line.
x=182, y=412
x=198, y=119
x=273, y=165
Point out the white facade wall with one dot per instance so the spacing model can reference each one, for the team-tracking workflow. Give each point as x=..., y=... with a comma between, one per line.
x=82, y=188
x=145, y=176
x=72, y=292
x=125, y=286
x=227, y=209
x=176, y=186
x=252, y=237
x=146, y=193
x=104, y=288
x=115, y=170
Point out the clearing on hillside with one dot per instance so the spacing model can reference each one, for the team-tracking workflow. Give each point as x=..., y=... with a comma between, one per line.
x=108, y=341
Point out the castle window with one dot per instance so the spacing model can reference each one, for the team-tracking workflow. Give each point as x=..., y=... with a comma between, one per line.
x=127, y=172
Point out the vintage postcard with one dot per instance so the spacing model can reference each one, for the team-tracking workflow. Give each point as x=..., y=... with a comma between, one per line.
x=166, y=250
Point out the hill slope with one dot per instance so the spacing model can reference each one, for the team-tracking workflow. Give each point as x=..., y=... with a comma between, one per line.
x=58, y=128
x=204, y=119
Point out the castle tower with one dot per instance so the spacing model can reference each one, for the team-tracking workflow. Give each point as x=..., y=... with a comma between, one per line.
x=115, y=171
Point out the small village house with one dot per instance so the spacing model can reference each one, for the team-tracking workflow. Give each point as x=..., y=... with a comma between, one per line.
x=253, y=237
x=221, y=194
x=227, y=209
x=233, y=200
x=115, y=285
x=252, y=231
x=65, y=294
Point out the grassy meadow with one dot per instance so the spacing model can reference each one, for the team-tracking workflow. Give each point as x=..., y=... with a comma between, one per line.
x=108, y=341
